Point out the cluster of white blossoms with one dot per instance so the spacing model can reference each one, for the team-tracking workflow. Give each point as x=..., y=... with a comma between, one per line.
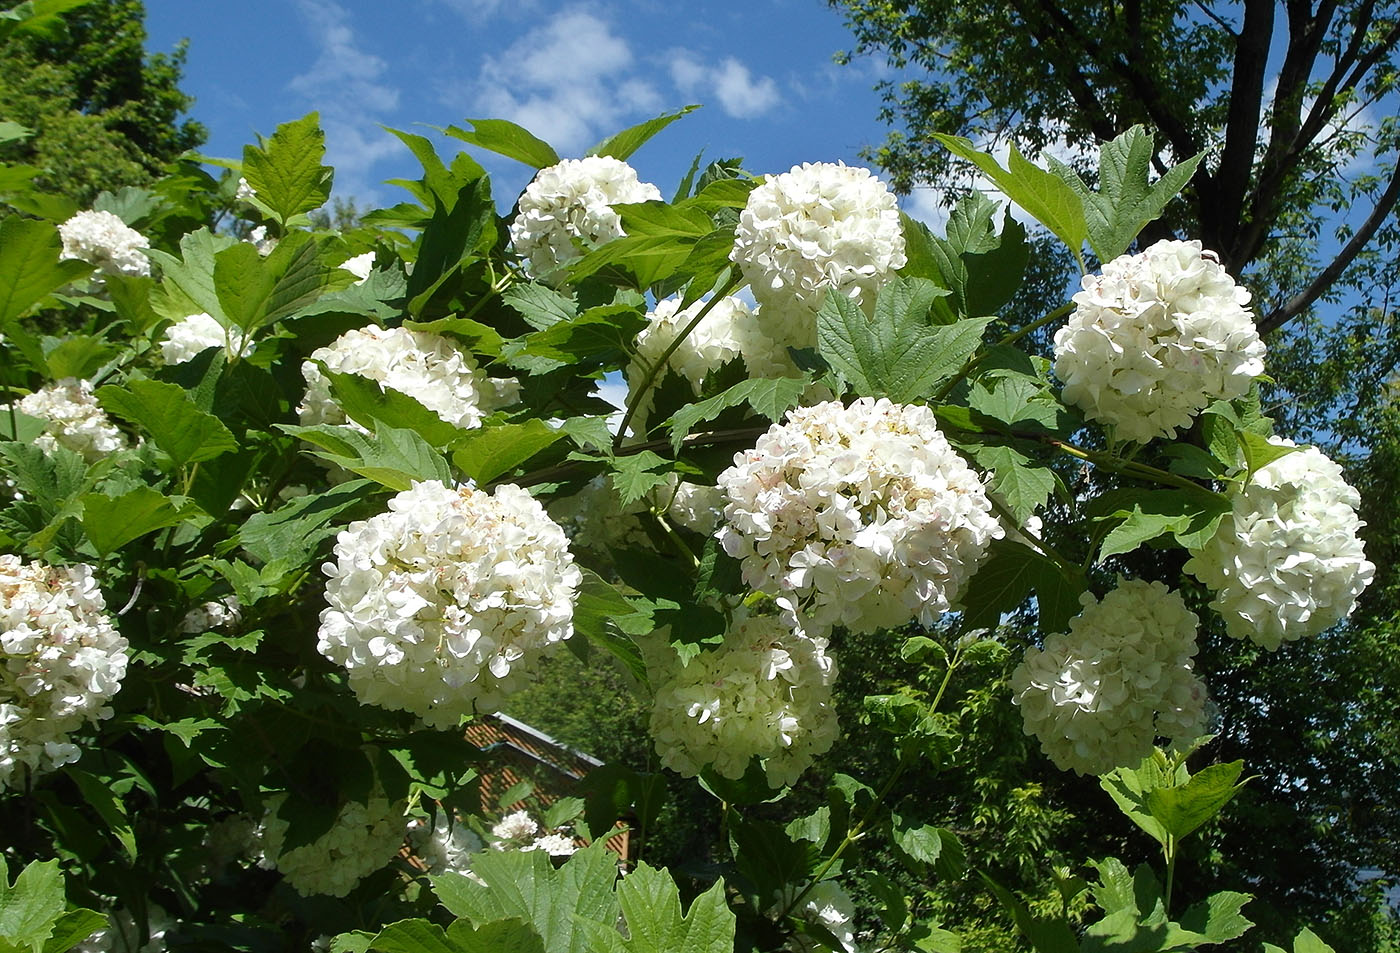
x=1155, y=338
x=103, y=240
x=518, y=831
x=1287, y=561
x=766, y=693
x=443, y=845
x=566, y=211
x=363, y=838
x=218, y=614
x=1098, y=696
x=730, y=330
x=439, y=605
x=820, y=227
x=860, y=516
x=426, y=366
x=73, y=419
x=827, y=905
x=61, y=662
x=191, y=336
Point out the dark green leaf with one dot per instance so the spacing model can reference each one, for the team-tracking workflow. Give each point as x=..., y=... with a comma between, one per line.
x=487, y=452
x=286, y=172
x=392, y=457
x=622, y=144
x=29, y=265
x=506, y=138
x=771, y=397
x=540, y=306
x=110, y=523
x=166, y=412
x=292, y=533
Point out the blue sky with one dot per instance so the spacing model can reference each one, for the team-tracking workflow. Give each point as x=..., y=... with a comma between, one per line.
x=572, y=72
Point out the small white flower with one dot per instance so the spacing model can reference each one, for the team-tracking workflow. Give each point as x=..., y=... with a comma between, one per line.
x=244, y=192
x=1155, y=338
x=427, y=367
x=360, y=266
x=104, y=240
x=1098, y=696
x=817, y=228
x=61, y=662
x=566, y=211
x=766, y=692
x=444, y=845
x=860, y=516
x=191, y=336
x=1287, y=561
x=440, y=605
x=224, y=613
x=515, y=829
x=827, y=905
x=363, y=838
x=556, y=845
x=73, y=419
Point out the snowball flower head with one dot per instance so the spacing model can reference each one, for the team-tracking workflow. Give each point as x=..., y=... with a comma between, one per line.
x=1155, y=338
x=766, y=692
x=72, y=419
x=439, y=606
x=515, y=829
x=443, y=844
x=61, y=662
x=363, y=838
x=860, y=516
x=729, y=331
x=825, y=904
x=1287, y=561
x=103, y=240
x=1098, y=695
x=425, y=366
x=822, y=226
x=565, y=211
x=189, y=337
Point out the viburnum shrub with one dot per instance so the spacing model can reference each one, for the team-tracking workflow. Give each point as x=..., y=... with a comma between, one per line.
x=287, y=507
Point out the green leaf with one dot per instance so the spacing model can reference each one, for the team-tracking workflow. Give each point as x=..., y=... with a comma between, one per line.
x=599, y=334
x=1124, y=202
x=506, y=138
x=622, y=144
x=651, y=905
x=112, y=522
x=487, y=452
x=72, y=928
x=1183, y=808
x=77, y=355
x=929, y=845
x=286, y=171
x=1191, y=518
x=634, y=474
x=651, y=258
x=108, y=805
x=187, y=282
x=599, y=603
x=898, y=353
x=526, y=885
x=166, y=412
x=449, y=239
x=657, y=219
x=413, y=936
x=29, y=907
x=443, y=183
x=539, y=305
x=291, y=534
x=1259, y=452
x=29, y=265
x=1045, y=935
x=1129, y=788
x=1047, y=198
x=771, y=397
x=1007, y=577
x=1217, y=919
x=393, y=457
x=244, y=284
x=367, y=401
x=1023, y=487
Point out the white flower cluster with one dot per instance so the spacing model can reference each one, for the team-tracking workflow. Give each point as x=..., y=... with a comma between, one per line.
x=822, y=226
x=827, y=905
x=223, y=613
x=766, y=692
x=103, y=240
x=566, y=211
x=61, y=661
x=438, y=606
x=1098, y=696
x=1156, y=338
x=518, y=831
x=443, y=845
x=860, y=516
x=729, y=331
x=363, y=838
x=425, y=366
x=1287, y=561
x=244, y=192
x=191, y=336
x=73, y=419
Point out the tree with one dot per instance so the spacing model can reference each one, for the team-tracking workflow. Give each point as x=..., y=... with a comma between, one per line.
x=1277, y=103
x=103, y=114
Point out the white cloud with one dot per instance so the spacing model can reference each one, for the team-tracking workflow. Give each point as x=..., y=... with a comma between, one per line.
x=346, y=85
x=740, y=94
x=569, y=81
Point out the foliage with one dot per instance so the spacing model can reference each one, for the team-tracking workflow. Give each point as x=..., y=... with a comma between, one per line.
x=234, y=744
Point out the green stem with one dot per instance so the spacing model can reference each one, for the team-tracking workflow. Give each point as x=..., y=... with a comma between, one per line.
x=1108, y=461
x=635, y=398
x=676, y=540
x=1050, y=318
x=1169, y=848
x=497, y=286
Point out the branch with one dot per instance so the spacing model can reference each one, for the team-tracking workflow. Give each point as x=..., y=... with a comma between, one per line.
x=1221, y=215
x=1325, y=278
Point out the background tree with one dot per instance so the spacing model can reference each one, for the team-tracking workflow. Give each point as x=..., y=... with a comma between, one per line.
x=103, y=113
